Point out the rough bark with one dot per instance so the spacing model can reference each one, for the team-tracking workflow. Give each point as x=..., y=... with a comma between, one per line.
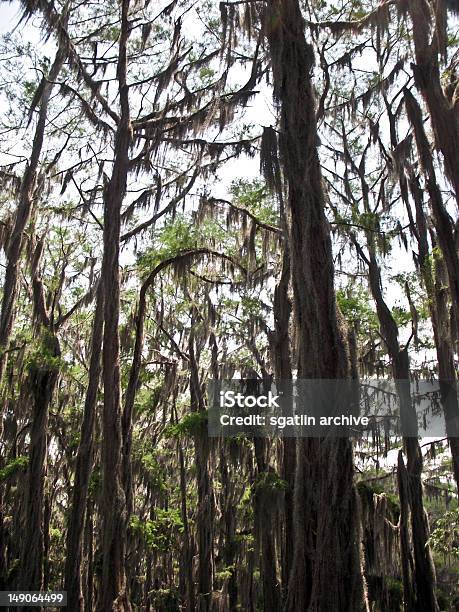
x=205, y=495
x=113, y=594
x=446, y=365
x=443, y=112
x=83, y=468
x=435, y=282
x=265, y=509
x=423, y=574
x=406, y=556
x=326, y=569
x=188, y=555
x=229, y=525
x=442, y=220
x=89, y=553
x=43, y=378
x=280, y=351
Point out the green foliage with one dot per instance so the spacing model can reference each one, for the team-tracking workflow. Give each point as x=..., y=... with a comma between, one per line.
x=155, y=471
x=174, y=237
x=368, y=220
x=178, y=235
x=159, y=533
x=253, y=196
x=146, y=400
x=206, y=74
x=95, y=482
x=225, y=573
x=367, y=491
x=354, y=303
x=165, y=599
x=14, y=467
x=402, y=317
x=269, y=483
x=444, y=538
x=190, y=425
x=42, y=355
x=55, y=534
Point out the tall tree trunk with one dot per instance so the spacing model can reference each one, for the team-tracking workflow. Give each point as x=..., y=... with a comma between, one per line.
x=113, y=593
x=28, y=192
x=187, y=566
x=89, y=554
x=84, y=464
x=446, y=366
x=443, y=112
x=435, y=283
x=188, y=560
x=280, y=351
x=326, y=571
x=46, y=538
x=443, y=224
x=43, y=378
x=423, y=573
x=229, y=524
x=205, y=495
x=406, y=555
x=265, y=508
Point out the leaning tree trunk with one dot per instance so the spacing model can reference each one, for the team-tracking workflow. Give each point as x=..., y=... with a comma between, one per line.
x=326, y=570
x=113, y=594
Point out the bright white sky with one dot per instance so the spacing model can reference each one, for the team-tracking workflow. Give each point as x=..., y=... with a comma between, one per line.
x=8, y=15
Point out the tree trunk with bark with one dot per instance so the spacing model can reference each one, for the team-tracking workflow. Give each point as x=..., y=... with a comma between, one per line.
x=281, y=358
x=113, y=594
x=435, y=279
x=30, y=186
x=84, y=464
x=442, y=220
x=443, y=112
x=43, y=379
x=423, y=573
x=205, y=495
x=326, y=570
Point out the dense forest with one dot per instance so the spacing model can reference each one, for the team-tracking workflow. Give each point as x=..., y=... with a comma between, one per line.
x=197, y=191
